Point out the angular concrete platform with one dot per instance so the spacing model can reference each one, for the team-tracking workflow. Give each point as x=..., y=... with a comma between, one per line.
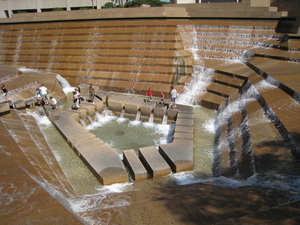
x=134, y=165
x=178, y=154
x=154, y=162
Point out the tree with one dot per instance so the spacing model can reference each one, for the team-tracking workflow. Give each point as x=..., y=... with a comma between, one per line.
x=138, y=3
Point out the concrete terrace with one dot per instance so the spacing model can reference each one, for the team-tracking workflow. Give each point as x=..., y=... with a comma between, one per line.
x=251, y=69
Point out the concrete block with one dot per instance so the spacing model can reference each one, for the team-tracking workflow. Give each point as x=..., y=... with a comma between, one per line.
x=4, y=108
x=20, y=104
x=116, y=102
x=87, y=144
x=178, y=154
x=147, y=108
x=103, y=95
x=184, y=129
x=160, y=110
x=105, y=162
x=184, y=122
x=89, y=107
x=172, y=114
x=30, y=103
x=80, y=137
x=133, y=105
x=185, y=136
x=134, y=165
x=154, y=162
x=67, y=125
x=185, y=115
x=81, y=112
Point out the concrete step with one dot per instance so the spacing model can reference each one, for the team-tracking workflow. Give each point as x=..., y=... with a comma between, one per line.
x=154, y=162
x=36, y=150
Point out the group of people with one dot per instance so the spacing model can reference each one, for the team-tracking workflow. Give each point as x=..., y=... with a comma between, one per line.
x=42, y=97
x=77, y=98
x=174, y=94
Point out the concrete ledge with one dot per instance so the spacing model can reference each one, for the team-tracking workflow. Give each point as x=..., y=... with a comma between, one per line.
x=154, y=162
x=66, y=124
x=87, y=144
x=172, y=114
x=106, y=164
x=184, y=122
x=4, y=108
x=179, y=155
x=187, y=115
x=134, y=165
x=81, y=113
x=116, y=102
x=20, y=105
x=80, y=138
x=185, y=136
x=160, y=110
x=89, y=107
x=147, y=108
x=184, y=129
x=133, y=105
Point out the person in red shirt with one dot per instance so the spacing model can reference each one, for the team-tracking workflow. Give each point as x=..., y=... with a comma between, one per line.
x=149, y=94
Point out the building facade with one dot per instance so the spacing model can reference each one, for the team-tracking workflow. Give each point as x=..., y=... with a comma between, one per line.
x=9, y=7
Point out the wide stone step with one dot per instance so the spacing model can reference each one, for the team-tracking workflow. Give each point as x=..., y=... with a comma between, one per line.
x=134, y=165
x=38, y=153
x=154, y=162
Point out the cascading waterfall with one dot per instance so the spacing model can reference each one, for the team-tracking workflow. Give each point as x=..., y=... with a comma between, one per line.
x=201, y=75
x=138, y=116
x=122, y=113
x=151, y=118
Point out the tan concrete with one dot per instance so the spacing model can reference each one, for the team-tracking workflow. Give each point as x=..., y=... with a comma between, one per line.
x=153, y=162
x=147, y=108
x=178, y=154
x=106, y=163
x=116, y=102
x=133, y=105
x=135, y=166
x=4, y=108
x=160, y=110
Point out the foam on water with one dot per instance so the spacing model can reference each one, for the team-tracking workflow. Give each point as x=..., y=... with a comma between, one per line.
x=42, y=120
x=209, y=126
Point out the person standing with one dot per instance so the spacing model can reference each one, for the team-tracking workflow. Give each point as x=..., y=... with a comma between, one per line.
x=76, y=98
x=53, y=103
x=44, y=94
x=162, y=99
x=149, y=94
x=92, y=92
x=5, y=92
x=173, y=97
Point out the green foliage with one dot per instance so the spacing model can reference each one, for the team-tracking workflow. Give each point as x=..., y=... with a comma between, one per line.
x=108, y=5
x=152, y=3
x=135, y=3
x=58, y=9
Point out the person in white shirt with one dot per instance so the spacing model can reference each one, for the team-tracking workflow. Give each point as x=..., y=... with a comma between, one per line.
x=53, y=103
x=44, y=94
x=173, y=97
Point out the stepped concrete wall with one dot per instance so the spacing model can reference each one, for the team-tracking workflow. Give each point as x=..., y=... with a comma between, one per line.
x=256, y=96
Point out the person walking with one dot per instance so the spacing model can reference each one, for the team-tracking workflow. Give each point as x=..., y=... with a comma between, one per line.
x=44, y=94
x=92, y=92
x=173, y=97
x=149, y=94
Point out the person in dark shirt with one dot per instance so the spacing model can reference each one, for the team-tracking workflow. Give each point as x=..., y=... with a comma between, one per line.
x=5, y=91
